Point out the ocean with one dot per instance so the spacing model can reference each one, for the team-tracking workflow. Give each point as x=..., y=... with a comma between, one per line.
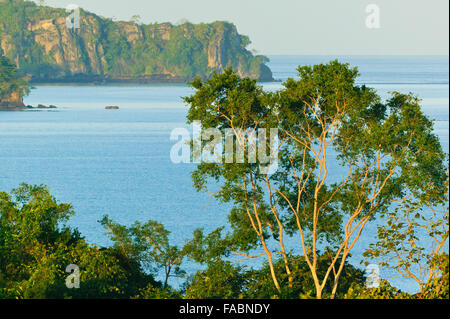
x=117, y=162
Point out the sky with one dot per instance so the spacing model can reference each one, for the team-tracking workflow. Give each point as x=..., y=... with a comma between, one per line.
x=297, y=27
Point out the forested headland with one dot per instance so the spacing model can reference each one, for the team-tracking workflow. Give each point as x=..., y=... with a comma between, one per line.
x=39, y=42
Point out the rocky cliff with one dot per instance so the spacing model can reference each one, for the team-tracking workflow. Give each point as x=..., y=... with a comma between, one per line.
x=40, y=43
x=12, y=102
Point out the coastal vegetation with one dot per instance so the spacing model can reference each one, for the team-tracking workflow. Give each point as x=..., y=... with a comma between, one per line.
x=38, y=40
x=36, y=246
x=13, y=85
x=347, y=159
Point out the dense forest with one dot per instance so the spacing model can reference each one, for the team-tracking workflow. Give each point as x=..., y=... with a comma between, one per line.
x=36, y=247
x=38, y=40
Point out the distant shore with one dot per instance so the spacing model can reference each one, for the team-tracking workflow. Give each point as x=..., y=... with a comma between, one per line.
x=97, y=80
x=94, y=79
x=12, y=108
x=26, y=107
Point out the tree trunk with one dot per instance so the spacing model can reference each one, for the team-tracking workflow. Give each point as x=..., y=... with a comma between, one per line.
x=272, y=269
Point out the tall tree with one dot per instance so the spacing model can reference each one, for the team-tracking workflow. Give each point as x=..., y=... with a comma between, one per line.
x=149, y=244
x=344, y=157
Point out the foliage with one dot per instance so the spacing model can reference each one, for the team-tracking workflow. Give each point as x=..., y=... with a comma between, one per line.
x=302, y=285
x=384, y=291
x=36, y=247
x=380, y=153
x=148, y=243
x=11, y=81
x=152, y=292
x=224, y=279
x=123, y=49
x=221, y=280
x=404, y=240
x=386, y=163
x=438, y=286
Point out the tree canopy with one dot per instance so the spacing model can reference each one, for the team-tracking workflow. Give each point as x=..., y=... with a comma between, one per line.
x=345, y=157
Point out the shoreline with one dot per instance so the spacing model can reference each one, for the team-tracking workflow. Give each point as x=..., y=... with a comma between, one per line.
x=101, y=80
x=13, y=109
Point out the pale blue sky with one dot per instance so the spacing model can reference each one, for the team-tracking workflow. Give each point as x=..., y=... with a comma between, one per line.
x=326, y=27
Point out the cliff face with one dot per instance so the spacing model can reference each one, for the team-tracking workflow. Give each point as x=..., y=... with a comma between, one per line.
x=38, y=40
x=12, y=101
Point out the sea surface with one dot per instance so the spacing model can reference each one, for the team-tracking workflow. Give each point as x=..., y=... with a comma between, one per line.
x=117, y=162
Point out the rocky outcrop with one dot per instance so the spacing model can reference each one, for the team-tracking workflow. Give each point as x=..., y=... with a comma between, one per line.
x=224, y=47
x=102, y=50
x=41, y=106
x=70, y=54
x=12, y=102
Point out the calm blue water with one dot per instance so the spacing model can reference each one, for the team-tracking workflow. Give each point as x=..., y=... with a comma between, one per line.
x=118, y=162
